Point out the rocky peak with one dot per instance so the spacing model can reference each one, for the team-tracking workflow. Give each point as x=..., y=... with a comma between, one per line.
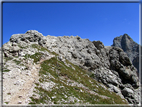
x=127, y=43
x=131, y=48
x=126, y=36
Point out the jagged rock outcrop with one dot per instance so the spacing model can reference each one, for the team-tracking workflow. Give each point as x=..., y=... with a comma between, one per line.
x=107, y=64
x=131, y=48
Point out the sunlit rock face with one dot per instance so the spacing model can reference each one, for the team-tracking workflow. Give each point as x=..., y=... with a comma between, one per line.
x=43, y=65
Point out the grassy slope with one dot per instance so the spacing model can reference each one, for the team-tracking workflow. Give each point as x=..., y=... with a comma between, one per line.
x=61, y=90
x=58, y=69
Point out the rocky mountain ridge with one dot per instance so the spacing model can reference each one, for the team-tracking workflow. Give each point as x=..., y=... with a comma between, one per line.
x=80, y=65
x=131, y=48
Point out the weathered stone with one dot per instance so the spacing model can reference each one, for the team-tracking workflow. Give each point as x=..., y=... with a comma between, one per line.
x=124, y=59
x=88, y=63
x=20, y=102
x=15, y=37
x=113, y=54
x=75, y=54
x=98, y=44
x=116, y=89
x=127, y=92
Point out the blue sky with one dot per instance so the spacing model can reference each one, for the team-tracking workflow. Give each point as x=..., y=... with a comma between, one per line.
x=95, y=21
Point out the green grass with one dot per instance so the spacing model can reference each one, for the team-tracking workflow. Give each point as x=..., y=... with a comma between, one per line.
x=6, y=102
x=36, y=56
x=8, y=58
x=60, y=69
x=17, y=62
x=40, y=48
x=22, y=47
x=6, y=70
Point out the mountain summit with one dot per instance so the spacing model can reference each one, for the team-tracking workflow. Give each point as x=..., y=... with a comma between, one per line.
x=41, y=69
x=126, y=43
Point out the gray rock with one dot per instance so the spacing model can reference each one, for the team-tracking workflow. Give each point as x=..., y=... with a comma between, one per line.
x=127, y=92
x=31, y=35
x=113, y=54
x=116, y=89
x=42, y=42
x=15, y=37
x=131, y=48
x=124, y=59
x=34, y=33
x=14, y=49
x=98, y=44
x=89, y=63
x=75, y=54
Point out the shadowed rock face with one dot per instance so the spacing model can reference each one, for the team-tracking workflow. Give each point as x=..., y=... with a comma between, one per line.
x=131, y=48
x=109, y=65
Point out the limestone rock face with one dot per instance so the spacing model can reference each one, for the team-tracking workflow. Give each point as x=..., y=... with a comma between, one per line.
x=131, y=48
x=29, y=36
x=109, y=65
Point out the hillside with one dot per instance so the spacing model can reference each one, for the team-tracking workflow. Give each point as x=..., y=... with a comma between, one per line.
x=41, y=69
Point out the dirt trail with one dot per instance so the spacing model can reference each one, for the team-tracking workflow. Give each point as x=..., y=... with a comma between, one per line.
x=21, y=97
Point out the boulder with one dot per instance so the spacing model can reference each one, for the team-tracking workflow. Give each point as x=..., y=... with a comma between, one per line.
x=127, y=92
x=15, y=38
x=98, y=44
x=124, y=59
x=75, y=54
